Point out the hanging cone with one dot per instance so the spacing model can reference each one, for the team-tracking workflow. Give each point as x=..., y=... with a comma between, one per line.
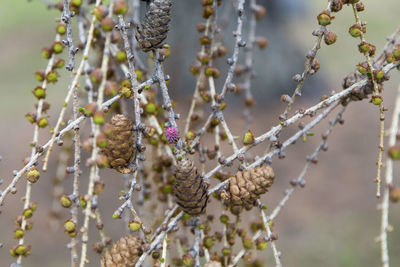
x=153, y=30
x=125, y=252
x=189, y=188
x=120, y=146
x=246, y=186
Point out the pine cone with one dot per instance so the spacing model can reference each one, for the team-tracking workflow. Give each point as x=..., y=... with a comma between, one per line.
x=125, y=252
x=246, y=186
x=152, y=32
x=189, y=188
x=120, y=146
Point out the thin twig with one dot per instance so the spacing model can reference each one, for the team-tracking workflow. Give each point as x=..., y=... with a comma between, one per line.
x=158, y=238
x=238, y=43
x=72, y=50
x=71, y=87
x=301, y=178
x=39, y=110
x=388, y=179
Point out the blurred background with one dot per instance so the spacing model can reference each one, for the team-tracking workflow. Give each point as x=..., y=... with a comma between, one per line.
x=333, y=221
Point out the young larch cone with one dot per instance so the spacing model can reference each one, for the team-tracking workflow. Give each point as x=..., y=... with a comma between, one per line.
x=153, y=30
x=125, y=252
x=246, y=186
x=189, y=188
x=120, y=146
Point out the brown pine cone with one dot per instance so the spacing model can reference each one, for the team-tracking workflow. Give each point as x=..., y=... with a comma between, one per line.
x=189, y=188
x=152, y=32
x=120, y=146
x=125, y=252
x=246, y=186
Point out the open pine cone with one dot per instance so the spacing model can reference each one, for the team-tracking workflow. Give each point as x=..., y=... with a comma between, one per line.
x=246, y=186
x=125, y=252
x=120, y=146
x=189, y=188
x=153, y=30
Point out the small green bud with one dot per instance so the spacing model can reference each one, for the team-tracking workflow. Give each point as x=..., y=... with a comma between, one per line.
x=166, y=189
x=42, y=122
x=65, y=201
x=76, y=3
x=18, y=233
x=126, y=83
x=150, y=108
x=261, y=244
x=99, y=12
x=39, y=75
x=394, y=152
x=363, y=68
x=396, y=52
x=208, y=242
x=31, y=117
x=33, y=175
x=28, y=213
x=101, y=140
x=90, y=109
x=39, y=92
x=389, y=58
x=355, y=30
x=139, y=75
x=57, y=47
x=120, y=56
x=224, y=218
x=248, y=138
x=28, y=226
x=107, y=24
x=126, y=92
x=59, y=63
x=324, y=18
x=190, y=135
x=135, y=226
x=186, y=217
x=52, y=77
x=46, y=52
x=99, y=117
x=247, y=243
x=69, y=226
x=226, y=252
x=82, y=202
x=61, y=29
x=102, y=161
x=120, y=7
x=188, y=260
x=194, y=69
x=96, y=75
x=21, y=250
x=379, y=74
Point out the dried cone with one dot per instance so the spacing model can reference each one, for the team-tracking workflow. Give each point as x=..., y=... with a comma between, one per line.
x=246, y=186
x=152, y=32
x=120, y=146
x=125, y=252
x=189, y=188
